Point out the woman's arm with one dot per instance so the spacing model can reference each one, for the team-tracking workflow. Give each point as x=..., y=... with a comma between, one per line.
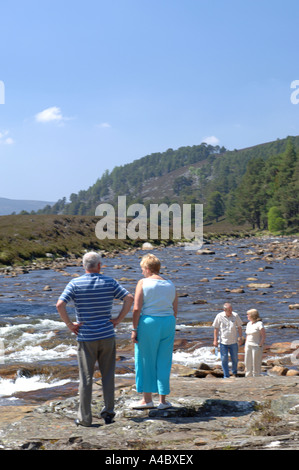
x=263, y=337
x=175, y=305
x=138, y=301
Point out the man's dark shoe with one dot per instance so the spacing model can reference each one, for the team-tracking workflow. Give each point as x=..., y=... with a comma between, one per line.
x=108, y=419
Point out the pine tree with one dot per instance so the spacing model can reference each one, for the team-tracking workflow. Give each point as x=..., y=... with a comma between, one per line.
x=250, y=195
x=286, y=197
x=215, y=205
x=288, y=163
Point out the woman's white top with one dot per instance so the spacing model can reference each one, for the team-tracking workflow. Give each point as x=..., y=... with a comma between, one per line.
x=253, y=333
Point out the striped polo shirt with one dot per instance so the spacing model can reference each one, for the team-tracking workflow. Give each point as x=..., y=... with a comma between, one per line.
x=93, y=296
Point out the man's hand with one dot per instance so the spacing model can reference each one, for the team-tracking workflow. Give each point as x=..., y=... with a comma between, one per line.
x=126, y=307
x=74, y=327
x=115, y=322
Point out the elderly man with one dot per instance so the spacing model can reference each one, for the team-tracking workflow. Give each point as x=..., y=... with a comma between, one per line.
x=93, y=296
x=228, y=328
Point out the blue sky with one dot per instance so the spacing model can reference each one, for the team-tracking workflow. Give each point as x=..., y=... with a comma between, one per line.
x=89, y=85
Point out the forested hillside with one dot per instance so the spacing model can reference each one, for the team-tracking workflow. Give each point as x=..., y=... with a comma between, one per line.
x=130, y=179
x=258, y=185
x=268, y=193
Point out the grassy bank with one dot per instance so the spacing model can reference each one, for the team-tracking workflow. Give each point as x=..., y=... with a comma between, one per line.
x=24, y=238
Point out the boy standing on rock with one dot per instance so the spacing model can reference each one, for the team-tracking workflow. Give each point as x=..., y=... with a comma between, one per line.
x=228, y=328
x=93, y=296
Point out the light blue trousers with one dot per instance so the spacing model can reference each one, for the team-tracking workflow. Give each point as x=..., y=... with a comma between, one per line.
x=153, y=353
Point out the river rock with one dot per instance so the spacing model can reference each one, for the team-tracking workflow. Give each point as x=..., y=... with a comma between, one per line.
x=216, y=372
x=201, y=374
x=206, y=251
x=147, y=246
x=204, y=366
x=279, y=370
x=285, y=404
x=281, y=348
x=292, y=373
x=256, y=285
x=183, y=371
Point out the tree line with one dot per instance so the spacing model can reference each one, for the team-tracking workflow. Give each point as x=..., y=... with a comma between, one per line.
x=268, y=194
x=257, y=185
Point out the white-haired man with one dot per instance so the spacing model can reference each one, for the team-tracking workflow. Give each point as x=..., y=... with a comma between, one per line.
x=228, y=328
x=93, y=296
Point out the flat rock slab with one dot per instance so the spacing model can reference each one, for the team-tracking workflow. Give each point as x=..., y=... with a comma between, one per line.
x=210, y=413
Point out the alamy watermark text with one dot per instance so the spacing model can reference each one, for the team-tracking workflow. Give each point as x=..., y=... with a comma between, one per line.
x=152, y=223
x=295, y=93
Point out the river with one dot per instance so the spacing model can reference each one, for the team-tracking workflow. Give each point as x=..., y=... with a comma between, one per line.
x=36, y=343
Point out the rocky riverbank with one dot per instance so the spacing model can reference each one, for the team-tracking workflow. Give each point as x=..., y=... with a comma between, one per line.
x=210, y=414
x=277, y=249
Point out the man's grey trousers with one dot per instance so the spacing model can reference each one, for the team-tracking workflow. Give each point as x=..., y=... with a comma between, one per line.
x=89, y=352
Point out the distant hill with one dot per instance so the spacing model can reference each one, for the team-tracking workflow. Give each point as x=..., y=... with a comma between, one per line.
x=8, y=206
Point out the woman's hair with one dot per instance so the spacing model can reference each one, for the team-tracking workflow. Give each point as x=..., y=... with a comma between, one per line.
x=91, y=260
x=151, y=262
x=254, y=314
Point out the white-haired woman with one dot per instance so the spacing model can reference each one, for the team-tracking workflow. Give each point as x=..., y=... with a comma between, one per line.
x=154, y=318
x=255, y=339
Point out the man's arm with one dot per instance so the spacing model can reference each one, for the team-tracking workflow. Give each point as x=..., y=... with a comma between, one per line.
x=240, y=334
x=216, y=332
x=61, y=307
x=126, y=307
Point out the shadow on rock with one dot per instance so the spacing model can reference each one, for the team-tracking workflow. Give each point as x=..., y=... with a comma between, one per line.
x=206, y=410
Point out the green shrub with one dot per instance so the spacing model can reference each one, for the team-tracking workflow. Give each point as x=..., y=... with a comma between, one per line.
x=276, y=223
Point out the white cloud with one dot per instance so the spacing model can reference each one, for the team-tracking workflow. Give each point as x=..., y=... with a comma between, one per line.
x=4, y=139
x=104, y=125
x=3, y=134
x=211, y=140
x=49, y=115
